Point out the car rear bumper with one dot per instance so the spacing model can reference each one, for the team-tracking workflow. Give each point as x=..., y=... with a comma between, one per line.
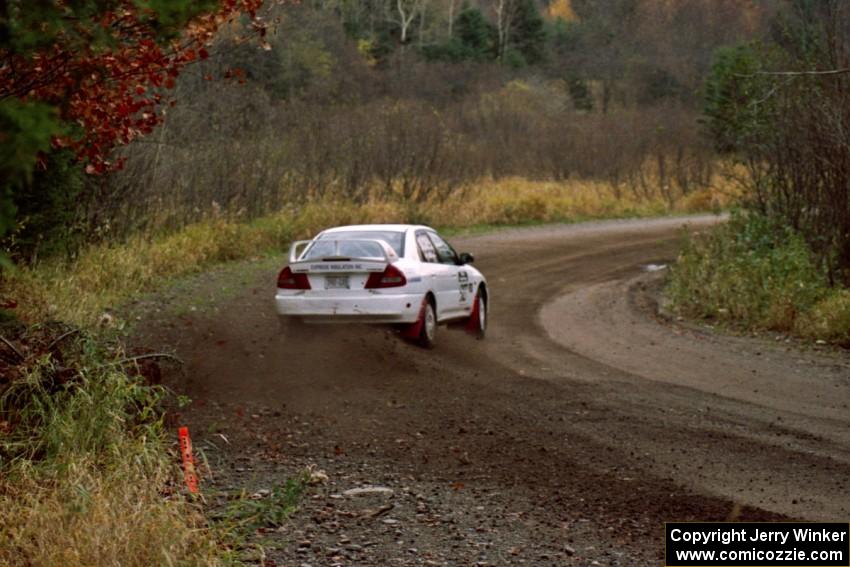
x=365, y=308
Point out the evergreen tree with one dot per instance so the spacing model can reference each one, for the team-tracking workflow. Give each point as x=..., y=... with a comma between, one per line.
x=474, y=39
x=529, y=33
x=476, y=34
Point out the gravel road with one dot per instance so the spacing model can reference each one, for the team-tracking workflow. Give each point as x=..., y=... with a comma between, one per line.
x=583, y=422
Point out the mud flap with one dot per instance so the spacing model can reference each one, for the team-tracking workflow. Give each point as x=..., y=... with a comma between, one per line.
x=473, y=324
x=413, y=330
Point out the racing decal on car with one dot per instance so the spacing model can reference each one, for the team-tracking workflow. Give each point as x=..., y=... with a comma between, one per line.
x=465, y=285
x=334, y=267
x=338, y=267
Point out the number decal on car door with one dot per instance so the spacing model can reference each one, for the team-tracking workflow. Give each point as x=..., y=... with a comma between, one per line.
x=465, y=286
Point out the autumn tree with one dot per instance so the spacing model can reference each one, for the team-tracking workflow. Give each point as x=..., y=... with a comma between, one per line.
x=85, y=76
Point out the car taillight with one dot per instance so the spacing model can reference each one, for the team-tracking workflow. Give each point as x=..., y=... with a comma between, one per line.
x=288, y=280
x=390, y=277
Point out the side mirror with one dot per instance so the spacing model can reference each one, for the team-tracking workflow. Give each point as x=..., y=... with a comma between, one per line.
x=465, y=258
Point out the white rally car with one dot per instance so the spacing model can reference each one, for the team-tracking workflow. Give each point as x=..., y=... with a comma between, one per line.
x=400, y=274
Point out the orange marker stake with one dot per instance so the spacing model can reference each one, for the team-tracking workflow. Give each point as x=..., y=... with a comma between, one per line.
x=188, y=461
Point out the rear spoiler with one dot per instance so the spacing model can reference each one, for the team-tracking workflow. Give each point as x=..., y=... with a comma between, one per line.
x=297, y=249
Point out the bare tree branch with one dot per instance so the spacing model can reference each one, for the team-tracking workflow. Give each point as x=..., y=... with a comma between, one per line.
x=13, y=348
x=794, y=73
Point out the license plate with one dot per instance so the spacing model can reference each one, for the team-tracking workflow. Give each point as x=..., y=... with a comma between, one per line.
x=336, y=282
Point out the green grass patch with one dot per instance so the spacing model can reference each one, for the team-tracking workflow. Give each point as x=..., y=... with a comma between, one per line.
x=244, y=514
x=755, y=274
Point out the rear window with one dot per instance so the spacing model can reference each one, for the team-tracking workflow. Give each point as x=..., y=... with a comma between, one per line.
x=364, y=249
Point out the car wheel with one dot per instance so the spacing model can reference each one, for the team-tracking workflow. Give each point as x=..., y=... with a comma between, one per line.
x=481, y=304
x=429, y=326
x=477, y=322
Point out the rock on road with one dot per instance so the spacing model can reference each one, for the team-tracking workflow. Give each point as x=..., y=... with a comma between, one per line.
x=567, y=437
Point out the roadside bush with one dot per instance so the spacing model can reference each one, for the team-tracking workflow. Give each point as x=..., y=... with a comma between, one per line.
x=86, y=477
x=828, y=319
x=49, y=218
x=750, y=271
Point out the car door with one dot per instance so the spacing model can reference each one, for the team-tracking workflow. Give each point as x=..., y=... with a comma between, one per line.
x=440, y=276
x=455, y=295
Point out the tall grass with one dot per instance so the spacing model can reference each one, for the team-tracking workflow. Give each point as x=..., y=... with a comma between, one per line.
x=104, y=275
x=86, y=477
x=757, y=274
